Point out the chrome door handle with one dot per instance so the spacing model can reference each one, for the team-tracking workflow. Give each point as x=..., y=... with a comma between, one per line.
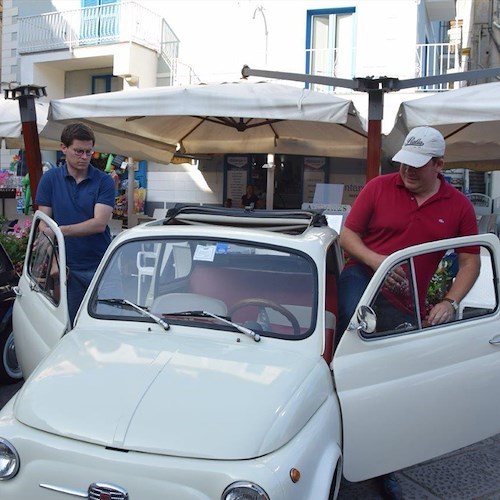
x=17, y=291
x=495, y=340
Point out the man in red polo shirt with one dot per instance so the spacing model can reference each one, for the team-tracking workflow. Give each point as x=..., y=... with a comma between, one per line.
x=394, y=211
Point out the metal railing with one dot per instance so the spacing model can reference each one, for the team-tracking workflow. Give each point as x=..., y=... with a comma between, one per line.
x=110, y=23
x=324, y=62
x=431, y=59
x=437, y=59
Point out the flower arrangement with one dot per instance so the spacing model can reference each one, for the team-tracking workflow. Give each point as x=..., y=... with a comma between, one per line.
x=14, y=240
x=440, y=282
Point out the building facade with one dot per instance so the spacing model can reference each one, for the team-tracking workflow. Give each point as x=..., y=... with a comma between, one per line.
x=77, y=47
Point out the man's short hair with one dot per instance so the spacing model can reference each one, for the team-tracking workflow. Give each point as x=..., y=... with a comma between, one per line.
x=78, y=131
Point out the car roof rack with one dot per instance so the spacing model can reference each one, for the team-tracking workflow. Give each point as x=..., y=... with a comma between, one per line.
x=286, y=221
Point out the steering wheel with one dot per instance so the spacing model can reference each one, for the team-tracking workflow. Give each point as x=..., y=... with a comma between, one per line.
x=263, y=303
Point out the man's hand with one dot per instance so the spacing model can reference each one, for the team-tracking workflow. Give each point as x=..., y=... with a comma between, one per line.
x=442, y=312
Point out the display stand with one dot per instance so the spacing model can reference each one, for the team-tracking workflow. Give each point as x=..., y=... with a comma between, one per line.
x=6, y=193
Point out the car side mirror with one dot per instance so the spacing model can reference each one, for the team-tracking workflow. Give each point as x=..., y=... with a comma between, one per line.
x=367, y=319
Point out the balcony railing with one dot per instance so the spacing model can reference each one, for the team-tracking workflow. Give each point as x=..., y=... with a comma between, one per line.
x=431, y=59
x=104, y=24
x=437, y=59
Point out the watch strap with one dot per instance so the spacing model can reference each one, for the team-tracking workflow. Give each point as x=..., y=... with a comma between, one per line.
x=454, y=303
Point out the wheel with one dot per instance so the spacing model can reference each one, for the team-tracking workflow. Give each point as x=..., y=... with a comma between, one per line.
x=263, y=303
x=10, y=372
x=335, y=486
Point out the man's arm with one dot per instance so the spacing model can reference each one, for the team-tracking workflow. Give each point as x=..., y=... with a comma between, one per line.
x=469, y=266
x=352, y=243
x=95, y=225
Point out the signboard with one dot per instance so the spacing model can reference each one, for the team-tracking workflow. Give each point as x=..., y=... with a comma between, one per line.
x=237, y=168
x=314, y=173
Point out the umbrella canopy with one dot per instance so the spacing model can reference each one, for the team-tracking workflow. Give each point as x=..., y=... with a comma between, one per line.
x=468, y=118
x=11, y=126
x=238, y=117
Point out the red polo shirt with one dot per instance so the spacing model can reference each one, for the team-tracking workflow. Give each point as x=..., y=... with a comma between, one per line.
x=388, y=218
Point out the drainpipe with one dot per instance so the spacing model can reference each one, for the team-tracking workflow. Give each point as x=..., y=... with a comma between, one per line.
x=26, y=95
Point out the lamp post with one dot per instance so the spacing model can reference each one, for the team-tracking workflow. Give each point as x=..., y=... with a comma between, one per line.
x=26, y=95
x=260, y=9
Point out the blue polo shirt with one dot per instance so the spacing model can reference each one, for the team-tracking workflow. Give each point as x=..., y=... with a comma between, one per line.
x=72, y=203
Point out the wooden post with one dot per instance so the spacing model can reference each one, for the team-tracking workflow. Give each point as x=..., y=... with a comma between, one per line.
x=26, y=95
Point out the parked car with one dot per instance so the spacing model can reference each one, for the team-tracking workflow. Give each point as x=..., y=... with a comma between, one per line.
x=202, y=364
x=10, y=372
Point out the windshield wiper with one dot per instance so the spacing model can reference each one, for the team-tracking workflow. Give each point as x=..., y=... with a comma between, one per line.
x=142, y=310
x=240, y=328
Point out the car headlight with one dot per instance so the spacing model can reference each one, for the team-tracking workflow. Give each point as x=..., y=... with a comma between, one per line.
x=9, y=460
x=243, y=490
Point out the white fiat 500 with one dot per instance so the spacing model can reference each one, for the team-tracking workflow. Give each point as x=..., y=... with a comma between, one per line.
x=203, y=364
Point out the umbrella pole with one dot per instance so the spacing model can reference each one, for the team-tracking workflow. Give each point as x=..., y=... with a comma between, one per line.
x=375, y=115
x=26, y=94
x=131, y=215
x=373, y=155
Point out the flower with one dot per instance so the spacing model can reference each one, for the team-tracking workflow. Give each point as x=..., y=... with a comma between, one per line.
x=14, y=240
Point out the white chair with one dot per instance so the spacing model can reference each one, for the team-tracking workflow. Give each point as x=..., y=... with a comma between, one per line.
x=483, y=204
x=482, y=294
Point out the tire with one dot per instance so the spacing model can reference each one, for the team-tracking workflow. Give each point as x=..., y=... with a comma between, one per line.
x=335, y=480
x=10, y=372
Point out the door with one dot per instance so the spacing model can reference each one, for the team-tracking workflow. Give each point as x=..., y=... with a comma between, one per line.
x=330, y=40
x=410, y=392
x=40, y=316
x=100, y=21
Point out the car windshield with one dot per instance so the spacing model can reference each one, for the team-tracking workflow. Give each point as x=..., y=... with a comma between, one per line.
x=269, y=290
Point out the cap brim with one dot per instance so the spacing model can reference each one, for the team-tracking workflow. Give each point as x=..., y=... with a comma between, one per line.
x=415, y=160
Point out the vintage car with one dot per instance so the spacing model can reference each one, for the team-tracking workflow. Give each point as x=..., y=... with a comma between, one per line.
x=203, y=363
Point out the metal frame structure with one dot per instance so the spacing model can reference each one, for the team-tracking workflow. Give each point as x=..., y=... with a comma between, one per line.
x=376, y=88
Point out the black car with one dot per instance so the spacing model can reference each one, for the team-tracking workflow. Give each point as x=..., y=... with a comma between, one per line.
x=9, y=368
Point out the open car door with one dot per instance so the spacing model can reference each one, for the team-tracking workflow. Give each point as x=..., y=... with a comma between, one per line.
x=408, y=391
x=40, y=316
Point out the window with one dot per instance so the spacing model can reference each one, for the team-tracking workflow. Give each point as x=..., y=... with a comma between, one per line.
x=330, y=43
x=401, y=306
x=267, y=289
x=105, y=83
x=44, y=265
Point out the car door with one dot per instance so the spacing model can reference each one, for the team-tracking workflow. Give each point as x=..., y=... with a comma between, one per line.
x=414, y=392
x=40, y=316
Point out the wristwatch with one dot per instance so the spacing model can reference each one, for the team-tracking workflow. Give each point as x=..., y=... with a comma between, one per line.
x=454, y=303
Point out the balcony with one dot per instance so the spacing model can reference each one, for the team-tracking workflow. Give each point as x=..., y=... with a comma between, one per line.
x=438, y=59
x=90, y=26
x=431, y=59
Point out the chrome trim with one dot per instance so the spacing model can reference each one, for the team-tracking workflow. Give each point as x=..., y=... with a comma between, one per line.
x=68, y=491
x=112, y=491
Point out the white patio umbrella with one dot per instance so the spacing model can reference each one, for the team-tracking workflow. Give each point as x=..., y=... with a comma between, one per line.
x=238, y=117
x=468, y=118
x=11, y=126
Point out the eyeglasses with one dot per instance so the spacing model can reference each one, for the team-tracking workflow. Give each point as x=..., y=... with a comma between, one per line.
x=81, y=152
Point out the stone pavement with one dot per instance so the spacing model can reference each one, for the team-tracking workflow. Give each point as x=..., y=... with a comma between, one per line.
x=471, y=473
x=465, y=474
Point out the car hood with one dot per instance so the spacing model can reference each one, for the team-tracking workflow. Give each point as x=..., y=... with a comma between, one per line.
x=174, y=395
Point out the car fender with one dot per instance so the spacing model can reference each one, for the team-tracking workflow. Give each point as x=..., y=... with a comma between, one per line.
x=330, y=459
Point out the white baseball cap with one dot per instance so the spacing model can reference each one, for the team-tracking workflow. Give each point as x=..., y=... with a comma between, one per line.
x=421, y=144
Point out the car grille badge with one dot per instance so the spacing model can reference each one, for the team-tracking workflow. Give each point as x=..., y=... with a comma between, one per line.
x=106, y=491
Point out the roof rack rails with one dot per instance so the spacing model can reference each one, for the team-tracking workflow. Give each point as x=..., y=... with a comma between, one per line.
x=273, y=220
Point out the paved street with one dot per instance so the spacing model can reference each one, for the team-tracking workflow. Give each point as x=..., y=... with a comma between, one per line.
x=466, y=474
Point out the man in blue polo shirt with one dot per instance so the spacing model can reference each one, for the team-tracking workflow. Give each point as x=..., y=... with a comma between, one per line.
x=80, y=198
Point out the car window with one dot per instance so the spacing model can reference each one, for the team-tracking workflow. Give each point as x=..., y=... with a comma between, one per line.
x=268, y=289
x=43, y=267
x=405, y=297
